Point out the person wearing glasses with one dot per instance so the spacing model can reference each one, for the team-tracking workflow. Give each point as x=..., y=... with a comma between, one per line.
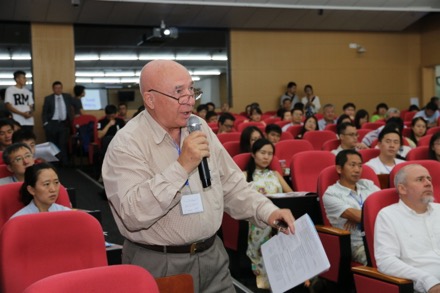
x=225, y=123
x=348, y=137
x=155, y=192
x=17, y=157
x=40, y=190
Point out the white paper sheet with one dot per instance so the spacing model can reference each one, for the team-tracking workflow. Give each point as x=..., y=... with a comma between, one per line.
x=47, y=151
x=292, y=259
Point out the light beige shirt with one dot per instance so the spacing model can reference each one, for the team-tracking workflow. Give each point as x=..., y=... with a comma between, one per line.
x=144, y=184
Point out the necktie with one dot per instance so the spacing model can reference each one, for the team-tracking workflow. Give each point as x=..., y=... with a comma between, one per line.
x=59, y=105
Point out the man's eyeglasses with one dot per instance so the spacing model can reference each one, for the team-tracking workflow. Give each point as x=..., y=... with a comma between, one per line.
x=19, y=160
x=182, y=100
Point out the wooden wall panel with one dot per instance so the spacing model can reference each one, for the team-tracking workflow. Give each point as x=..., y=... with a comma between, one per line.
x=262, y=62
x=53, y=54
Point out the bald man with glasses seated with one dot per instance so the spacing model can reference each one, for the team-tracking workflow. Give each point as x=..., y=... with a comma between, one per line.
x=151, y=179
x=17, y=157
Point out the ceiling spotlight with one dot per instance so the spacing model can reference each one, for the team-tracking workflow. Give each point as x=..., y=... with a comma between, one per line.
x=359, y=48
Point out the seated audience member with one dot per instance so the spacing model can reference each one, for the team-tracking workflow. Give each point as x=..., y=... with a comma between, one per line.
x=265, y=181
x=389, y=144
x=407, y=233
x=290, y=94
x=392, y=116
x=6, y=131
x=122, y=112
x=284, y=114
x=418, y=130
x=225, y=108
x=430, y=114
x=350, y=110
x=255, y=116
x=25, y=136
x=201, y=110
x=249, y=135
x=273, y=133
x=434, y=147
x=79, y=92
x=360, y=118
x=109, y=125
x=348, y=137
x=413, y=108
x=17, y=126
x=343, y=200
x=17, y=157
x=5, y=114
x=329, y=116
x=225, y=123
x=435, y=100
x=310, y=101
x=287, y=104
x=297, y=115
x=310, y=124
x=381, y=110
x=40, y=190
x=211, y=117
x=344, y=118
x=211, y=106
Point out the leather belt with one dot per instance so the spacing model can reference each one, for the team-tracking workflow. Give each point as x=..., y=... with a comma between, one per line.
x=190, y=248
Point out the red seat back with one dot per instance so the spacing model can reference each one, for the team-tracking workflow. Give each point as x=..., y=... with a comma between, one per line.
x=362, y=132
x=286, y=136
x=330, y=145
x=295, y=130
x=373, y=125
x=232, y=147
x=306, y=166
x=4, y=172
x=418, y=153
x=228, y=136
x=285, y=150
x=433, y=130
x=318, y=137
x=331, y=127
x=33, y=247
x=368, y=154
x=118, y=278
x=409, y=116
x=424, y=140
x=243, y=125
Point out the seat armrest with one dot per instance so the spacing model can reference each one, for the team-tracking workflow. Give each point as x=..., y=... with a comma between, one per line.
x=331, y=230
x=374, y=273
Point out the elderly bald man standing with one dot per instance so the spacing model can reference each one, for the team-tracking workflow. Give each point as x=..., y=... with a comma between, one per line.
x=150, y=177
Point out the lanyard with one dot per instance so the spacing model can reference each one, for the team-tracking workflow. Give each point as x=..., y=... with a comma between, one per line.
x=360, y=202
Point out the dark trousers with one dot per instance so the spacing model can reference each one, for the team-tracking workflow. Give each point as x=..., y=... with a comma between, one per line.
x=58, y=132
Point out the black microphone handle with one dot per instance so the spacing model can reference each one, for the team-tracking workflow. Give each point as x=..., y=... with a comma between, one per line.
x=205, y=176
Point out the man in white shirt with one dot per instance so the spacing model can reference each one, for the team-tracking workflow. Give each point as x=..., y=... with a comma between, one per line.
x=329, y=116
x=348, y=136
x=430, y=114
x=19, y=101
x=343, y=200
x=407, y=233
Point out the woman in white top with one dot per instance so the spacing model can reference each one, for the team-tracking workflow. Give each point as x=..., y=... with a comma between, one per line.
x=310, y=101
x=389, y=144
x=40, y=190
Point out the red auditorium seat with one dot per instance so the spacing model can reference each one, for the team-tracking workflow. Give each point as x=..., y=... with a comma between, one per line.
x=243, y=125
x=330, y=145
x=318, y=137
x=285, y=150
x=232, y=147
x=418, y=153
x=229, y=136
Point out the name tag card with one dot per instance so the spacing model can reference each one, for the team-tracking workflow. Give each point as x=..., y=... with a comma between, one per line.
x=191, y=204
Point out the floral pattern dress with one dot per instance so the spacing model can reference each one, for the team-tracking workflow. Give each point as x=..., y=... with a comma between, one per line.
x=265, y=182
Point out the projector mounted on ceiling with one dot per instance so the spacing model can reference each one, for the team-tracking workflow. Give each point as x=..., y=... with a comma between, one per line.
x=161, y=33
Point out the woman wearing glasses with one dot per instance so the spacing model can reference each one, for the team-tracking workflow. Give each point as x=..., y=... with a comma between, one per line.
x=17, y=157
x=40, y=190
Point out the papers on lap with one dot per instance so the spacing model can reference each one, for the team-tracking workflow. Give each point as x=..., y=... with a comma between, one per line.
x=292, y=259
x=289, y=194
x=47, y=151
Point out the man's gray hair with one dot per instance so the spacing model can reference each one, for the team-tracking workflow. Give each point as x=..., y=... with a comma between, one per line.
x=400, y=177
x=392, y=111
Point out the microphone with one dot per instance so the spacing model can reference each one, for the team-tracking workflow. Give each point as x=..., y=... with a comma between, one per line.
x=193, y=124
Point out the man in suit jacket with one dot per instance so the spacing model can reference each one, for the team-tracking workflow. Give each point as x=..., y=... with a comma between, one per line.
x=57, y=118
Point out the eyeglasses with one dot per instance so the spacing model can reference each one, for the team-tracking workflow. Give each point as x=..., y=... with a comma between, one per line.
x=19, y=160
x=182, y=100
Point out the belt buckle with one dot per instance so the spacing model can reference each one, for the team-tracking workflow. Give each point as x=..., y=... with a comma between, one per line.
x=193, y=248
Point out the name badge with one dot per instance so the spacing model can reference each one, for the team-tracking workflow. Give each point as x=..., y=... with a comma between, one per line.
x=191, y=204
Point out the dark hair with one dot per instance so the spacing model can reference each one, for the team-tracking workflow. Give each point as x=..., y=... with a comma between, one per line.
x=78, y=90
x=431, y=106
x=348, y=105
x=12, y=149
x=413, y=108
x=245, y=138
x=413, y=122
x=281, y=111
x=434, y=99
x=210, y=104
x=390, y=128
x=110, y=109
x=359, y=115
x=122, y=104
x=210, y=114
x=250, y=167
x=434, y=137
x=5, y=122
x=397, y=121
x=308, y=86
x=57, y=82
x=5, y=114
x=139, y=110
x=18, y=73
x=341, y=127
x=291, y=84
x=23, y=134
x=298, y=106
x=341, y=118
x=273, y=127
x=30, y=179
x=201, y=107
x=342, y=157
x=256, y=109
x=225, y=116
x=381, y=105
x=304, y=130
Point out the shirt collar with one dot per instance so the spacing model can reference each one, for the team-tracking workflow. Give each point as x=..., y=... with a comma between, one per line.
x=411, y=211
x=159, y=133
